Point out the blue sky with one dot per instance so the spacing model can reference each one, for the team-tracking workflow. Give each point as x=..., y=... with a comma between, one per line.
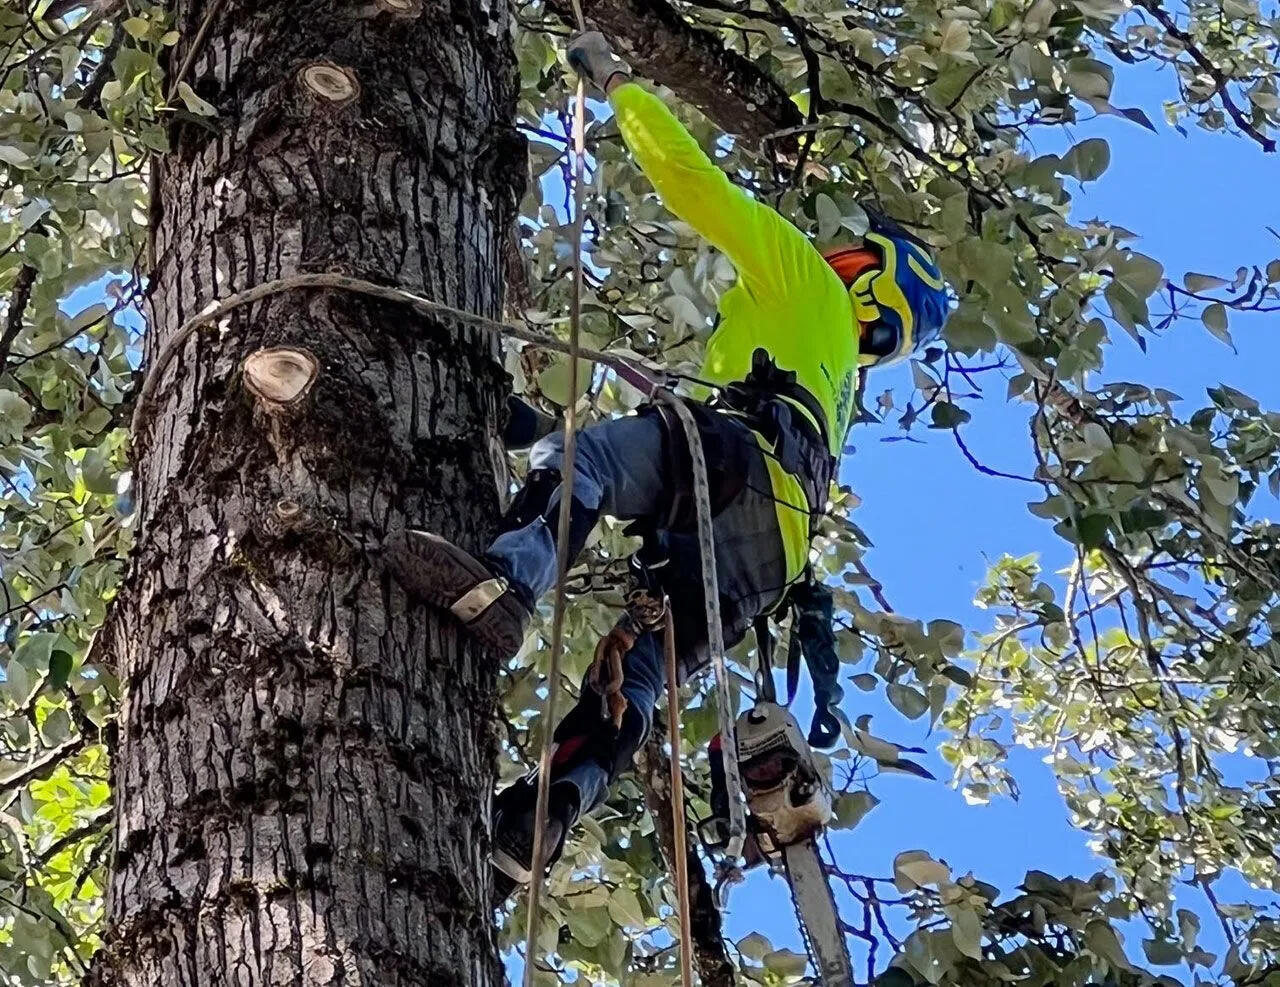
x=1199, y=203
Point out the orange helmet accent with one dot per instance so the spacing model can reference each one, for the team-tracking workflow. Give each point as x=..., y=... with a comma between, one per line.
x=849, y=262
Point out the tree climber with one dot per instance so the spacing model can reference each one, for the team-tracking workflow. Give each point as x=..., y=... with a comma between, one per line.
x=792, y=334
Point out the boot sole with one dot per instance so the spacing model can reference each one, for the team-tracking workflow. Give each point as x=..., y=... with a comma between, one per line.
x=434, y=569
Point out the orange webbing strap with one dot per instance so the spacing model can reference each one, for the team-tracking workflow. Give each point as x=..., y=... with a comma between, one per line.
x=681, y=849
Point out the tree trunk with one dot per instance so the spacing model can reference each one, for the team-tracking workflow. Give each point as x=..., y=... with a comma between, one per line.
x=304, y=758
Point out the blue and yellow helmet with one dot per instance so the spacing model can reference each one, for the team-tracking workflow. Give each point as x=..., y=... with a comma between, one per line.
x=899, y=297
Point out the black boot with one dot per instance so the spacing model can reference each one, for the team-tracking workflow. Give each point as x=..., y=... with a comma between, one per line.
x=513, y=831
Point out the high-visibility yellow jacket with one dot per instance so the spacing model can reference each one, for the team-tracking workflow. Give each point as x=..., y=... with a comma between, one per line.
x=787, y=299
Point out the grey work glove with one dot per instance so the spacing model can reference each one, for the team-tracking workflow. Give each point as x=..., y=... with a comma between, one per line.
x=590, y=54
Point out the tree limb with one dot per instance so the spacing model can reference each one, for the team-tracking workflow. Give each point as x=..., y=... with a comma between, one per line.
x=1220, y=79
x=17, y=309
x=42, y=767
x=715, y=969
x=661, y=45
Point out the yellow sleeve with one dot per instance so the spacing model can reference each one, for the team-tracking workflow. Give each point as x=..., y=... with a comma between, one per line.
x=772, y=257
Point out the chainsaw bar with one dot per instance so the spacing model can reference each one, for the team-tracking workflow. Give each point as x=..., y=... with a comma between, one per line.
x=815, y=906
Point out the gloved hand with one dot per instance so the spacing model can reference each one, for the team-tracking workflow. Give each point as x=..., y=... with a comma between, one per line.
x=814, y=614
x=590, y=54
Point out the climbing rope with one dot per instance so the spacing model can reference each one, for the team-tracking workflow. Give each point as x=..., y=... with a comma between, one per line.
x=681, y=848
x=537, y=865
x=144, y=405
x=715, y=629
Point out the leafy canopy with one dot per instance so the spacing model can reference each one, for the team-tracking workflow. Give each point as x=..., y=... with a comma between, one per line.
x=1146, y=673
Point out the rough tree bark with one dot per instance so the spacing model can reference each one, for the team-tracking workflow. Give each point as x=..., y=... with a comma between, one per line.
x=304, y=758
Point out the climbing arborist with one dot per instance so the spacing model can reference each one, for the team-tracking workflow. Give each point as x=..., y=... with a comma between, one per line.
x=793, y=332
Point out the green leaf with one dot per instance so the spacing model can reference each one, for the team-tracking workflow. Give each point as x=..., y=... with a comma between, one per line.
x=56, y=727
x=754, y=946
x=1222, y=486
x=194, y=103
x=98, y=472
x=1203, y=282
x=15, y=415
x=1088, y=159
x=1096, y=440
x=917, y=869
x=966, y=930
x=910, y=702
x=1214, y=318
x=1161, y=952
x=895, y=977
x=36, y=650
x=902, y=766
x=829, y=216
x=1103, y=941
x=553, y=382
x=60, y=663
x=18, y=683
x=1092, y=532
x=136, y=27
x=1188, y=927
x=955, y=37
x=946, y=415
x=1091, y=80
x=588, y=926
x=13, y=155
x=786, y=962
x=1137, y=116
x=624, y=908
x=1273, y=271
x=851, y=807
x=949, y=636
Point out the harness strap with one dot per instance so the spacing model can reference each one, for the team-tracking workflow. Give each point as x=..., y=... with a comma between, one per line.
x=765, y=688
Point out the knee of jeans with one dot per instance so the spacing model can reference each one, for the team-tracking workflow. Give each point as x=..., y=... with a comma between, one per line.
x=547, y=452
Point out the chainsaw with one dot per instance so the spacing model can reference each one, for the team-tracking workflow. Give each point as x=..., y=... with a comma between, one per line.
x=789, y=804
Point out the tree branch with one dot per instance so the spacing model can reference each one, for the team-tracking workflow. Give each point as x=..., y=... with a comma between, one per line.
x=17, y=309
x=41, y=768
x=661, y=45
x=1220, y=79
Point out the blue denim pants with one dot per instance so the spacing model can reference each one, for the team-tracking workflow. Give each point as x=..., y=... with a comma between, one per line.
x=621, y=470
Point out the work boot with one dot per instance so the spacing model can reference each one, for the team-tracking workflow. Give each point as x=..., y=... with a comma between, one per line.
x=513, y=829
x=434, y=569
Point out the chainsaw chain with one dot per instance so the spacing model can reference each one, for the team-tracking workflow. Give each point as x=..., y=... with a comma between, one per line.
x=799, y=913
x=804, y=929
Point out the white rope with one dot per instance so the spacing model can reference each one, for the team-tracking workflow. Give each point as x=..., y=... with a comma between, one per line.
x=144, y=406
x=715, y=630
